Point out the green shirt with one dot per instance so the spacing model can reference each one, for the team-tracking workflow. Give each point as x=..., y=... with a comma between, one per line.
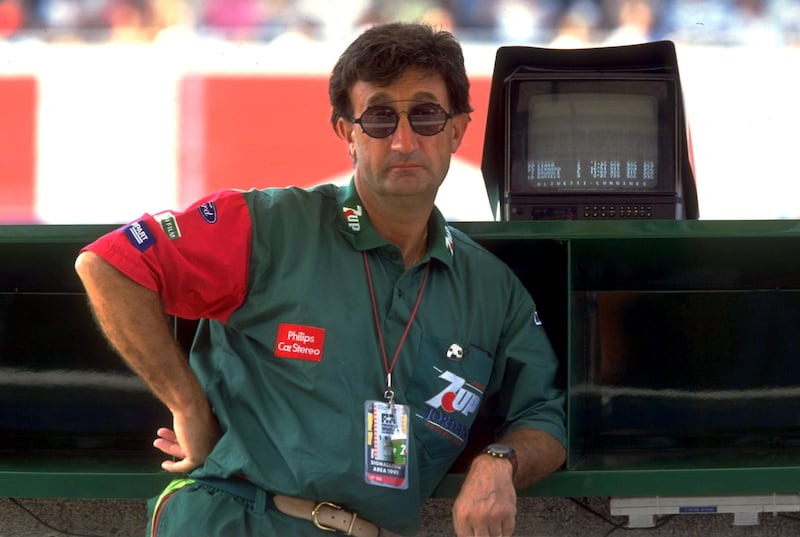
x=288, y=369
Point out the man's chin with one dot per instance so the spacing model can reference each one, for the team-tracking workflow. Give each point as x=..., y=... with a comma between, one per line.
x=411, y=181
x=416, y=191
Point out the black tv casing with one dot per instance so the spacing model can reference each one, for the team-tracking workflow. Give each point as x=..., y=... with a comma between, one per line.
x=676, y=198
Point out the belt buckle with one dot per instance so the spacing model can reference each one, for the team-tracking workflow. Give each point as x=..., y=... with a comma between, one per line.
x=315, y=516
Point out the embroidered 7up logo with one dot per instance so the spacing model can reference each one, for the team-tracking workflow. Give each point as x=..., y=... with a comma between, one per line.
x=353, y=217
x=457, y=396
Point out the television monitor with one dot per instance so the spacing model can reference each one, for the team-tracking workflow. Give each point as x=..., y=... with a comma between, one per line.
x=588, y=134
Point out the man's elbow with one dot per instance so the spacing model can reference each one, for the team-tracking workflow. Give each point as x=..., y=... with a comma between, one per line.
x=561, y=456
x=96, y=273
x=86, y=265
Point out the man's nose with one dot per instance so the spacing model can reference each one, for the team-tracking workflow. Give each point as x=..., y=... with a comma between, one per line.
x=404, y=138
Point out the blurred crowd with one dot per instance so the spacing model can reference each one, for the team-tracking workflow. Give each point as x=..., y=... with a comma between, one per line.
x=558, y=23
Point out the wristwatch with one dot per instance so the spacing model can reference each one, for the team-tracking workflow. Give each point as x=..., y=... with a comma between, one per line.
x=502, y=451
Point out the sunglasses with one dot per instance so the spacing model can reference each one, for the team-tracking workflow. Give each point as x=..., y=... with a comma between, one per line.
x=427, y=119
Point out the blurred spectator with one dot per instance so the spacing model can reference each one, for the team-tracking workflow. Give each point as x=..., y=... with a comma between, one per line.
x=235, y=19
x=12, y=17
x=526, y=22
x=336, y=21
x=439, y=17
x=408, y=11
x=473, y=18
x=300, y=32
x=62, y=19
x=634, y=20
x=174, y=20
x=699, y=21
x=750, y=25
x=129, y=21
x=476, y=18
x=370, y=17
x=577, y=26
x=786, y=16
x=557, y=23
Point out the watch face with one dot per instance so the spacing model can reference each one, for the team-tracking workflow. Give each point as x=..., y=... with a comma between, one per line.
x=499, y=449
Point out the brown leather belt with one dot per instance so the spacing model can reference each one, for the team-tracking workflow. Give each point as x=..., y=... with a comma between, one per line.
x=326, y=516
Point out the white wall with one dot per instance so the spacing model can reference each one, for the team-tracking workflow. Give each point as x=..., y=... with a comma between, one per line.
x=107, y=143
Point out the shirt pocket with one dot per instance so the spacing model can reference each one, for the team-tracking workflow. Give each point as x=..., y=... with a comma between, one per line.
x=448, y=386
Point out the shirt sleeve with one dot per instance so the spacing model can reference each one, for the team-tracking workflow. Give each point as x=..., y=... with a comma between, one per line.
x=529, y=394
x=196, y=260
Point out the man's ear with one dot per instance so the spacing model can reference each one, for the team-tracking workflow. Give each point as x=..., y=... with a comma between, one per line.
x=345, y=131
x=460, y=123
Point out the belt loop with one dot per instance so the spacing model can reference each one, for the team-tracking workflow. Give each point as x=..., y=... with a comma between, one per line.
x=260, y=501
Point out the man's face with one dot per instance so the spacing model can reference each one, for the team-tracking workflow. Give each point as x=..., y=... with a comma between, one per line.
x=404, y=163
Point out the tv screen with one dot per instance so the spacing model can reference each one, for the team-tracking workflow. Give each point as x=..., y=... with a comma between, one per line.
x=596, y=137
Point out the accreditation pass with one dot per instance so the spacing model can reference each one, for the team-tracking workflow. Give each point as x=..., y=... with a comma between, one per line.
x=386, y=450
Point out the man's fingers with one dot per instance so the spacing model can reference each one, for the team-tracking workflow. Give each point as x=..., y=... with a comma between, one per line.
x=167, y=442
x=167, y=434
x=170, y=448
x=178, y=467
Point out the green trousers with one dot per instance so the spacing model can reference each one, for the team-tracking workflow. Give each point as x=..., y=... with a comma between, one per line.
x=190, y=509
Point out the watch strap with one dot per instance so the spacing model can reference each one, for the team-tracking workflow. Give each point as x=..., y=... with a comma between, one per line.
x=502, y=451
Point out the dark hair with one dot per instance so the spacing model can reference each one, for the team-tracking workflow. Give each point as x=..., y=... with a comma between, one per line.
x=383, y=53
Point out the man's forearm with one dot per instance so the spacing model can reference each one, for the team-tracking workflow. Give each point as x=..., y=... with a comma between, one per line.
x=133, y=320
x=486, y=504
x=538, y=455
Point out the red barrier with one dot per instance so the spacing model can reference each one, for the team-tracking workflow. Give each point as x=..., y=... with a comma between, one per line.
x=240, y=131
x=18, y=96
x=235, y=131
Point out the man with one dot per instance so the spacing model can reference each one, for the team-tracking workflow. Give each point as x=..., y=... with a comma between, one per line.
x=348, y=335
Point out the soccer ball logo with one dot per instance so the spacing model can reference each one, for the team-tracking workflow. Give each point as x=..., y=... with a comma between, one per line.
x=455, y=352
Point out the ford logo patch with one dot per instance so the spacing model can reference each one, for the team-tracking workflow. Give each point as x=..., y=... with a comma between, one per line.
x=209, y=212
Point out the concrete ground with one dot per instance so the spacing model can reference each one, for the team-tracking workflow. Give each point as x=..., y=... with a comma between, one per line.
x=538, y=517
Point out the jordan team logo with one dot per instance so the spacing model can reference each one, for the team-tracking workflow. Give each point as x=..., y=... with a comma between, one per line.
x=448, y=412
x=457, y=396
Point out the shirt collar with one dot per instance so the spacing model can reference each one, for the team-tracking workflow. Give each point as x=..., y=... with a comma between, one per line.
x=355, y=225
